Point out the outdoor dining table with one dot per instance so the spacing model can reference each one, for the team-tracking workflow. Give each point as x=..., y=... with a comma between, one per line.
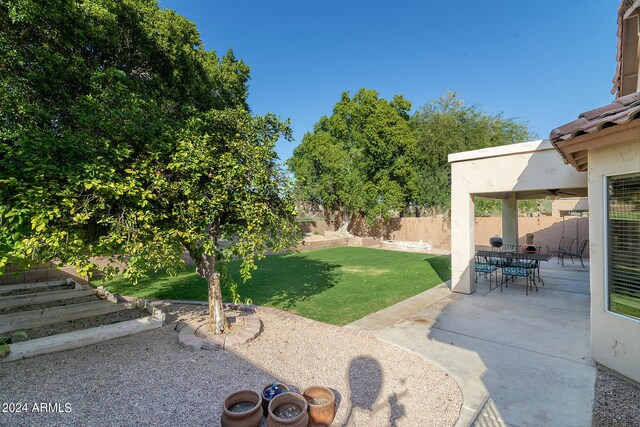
x=537, y=258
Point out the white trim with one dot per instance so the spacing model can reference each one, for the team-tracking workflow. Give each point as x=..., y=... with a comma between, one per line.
x=502, y=150
x=631, y=9
x=605, y=209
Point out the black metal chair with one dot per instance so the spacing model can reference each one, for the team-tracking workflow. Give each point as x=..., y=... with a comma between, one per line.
x=519, y=265
x=564, y=246
x=484, y=268
x=578, y=254
x=508, y=248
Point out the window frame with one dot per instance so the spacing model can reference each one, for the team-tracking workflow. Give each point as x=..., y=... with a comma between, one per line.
x=605, y=200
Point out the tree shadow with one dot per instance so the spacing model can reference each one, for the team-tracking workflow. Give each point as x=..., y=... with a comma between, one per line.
x=441, y=265
x=381, y=228
x=284, y=281
x=279, y=280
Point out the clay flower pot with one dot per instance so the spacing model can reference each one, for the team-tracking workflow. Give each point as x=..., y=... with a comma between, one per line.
x=242, y=409
x=288, y=410
x=321, y=401
x=267, y=397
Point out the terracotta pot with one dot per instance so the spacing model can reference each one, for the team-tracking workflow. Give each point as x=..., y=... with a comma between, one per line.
x=287, y=399
x=320, y=414
x=249, y=418
x=266, y=400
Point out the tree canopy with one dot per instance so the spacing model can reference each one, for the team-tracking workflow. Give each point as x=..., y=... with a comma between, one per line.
x=447, y=126
x=358, y=160
x=122, y=136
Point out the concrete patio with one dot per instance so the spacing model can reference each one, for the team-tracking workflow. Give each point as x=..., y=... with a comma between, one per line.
x=519, y=360
x=536, y=347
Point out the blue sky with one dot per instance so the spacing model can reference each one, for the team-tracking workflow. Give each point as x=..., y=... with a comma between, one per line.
x=543, y=61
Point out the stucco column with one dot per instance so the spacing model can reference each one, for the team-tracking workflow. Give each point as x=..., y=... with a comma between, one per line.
x=462, y=234
x=510, y=220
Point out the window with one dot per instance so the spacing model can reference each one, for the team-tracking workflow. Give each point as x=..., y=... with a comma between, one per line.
x=623, y=254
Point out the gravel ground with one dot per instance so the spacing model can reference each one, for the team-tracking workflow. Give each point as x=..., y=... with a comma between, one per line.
x=617, y=402
x=147, y=379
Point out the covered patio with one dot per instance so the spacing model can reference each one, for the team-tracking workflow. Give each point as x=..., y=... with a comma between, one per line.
x=529, y=170
x=536, y=347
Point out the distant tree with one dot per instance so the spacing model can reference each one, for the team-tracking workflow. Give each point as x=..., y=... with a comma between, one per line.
x=447, y=126
x=121, y=136
x=358, y=160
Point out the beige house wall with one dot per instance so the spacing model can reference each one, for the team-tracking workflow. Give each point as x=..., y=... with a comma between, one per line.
x=615, y=339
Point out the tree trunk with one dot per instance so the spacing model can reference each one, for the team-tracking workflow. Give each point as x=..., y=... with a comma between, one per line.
x=205, y=267
x=217, y=319
x=345, y=221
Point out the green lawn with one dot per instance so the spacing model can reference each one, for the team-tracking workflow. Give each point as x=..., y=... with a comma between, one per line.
x=337, y=285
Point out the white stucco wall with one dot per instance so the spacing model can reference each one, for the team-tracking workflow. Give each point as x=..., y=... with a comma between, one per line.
x=527, y=166
x=615, y=339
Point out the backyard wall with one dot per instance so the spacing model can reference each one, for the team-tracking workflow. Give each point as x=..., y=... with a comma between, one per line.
x=434, y=229
x=437, y=230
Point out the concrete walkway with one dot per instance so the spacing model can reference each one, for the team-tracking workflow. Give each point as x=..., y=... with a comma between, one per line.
x=529, y=354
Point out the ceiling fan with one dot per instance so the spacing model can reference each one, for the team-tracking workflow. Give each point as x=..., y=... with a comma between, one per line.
x=554, y=193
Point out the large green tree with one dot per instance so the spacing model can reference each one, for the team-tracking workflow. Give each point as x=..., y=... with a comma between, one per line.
x=358, y=160
x=121, y=136
x=447, y=126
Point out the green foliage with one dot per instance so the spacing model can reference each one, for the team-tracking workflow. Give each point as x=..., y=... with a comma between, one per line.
x=358, y=159
x=121, y=136
x=4, y=350
x=447, y=126
x=493, y=207
x=13, y=337
x=487, y=207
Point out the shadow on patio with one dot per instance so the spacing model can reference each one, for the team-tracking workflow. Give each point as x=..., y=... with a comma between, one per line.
x=536, y=348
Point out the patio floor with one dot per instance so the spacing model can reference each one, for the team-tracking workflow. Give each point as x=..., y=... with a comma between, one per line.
x=536, y=347
x=528, y=354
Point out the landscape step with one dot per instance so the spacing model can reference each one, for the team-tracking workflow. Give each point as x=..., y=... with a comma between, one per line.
x=81, y=338
x=37, y=285
x=43, y=297
x=47, y=316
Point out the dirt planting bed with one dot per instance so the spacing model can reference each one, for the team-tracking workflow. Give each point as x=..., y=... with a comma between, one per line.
x=85, y=323
x=58, y=303
x=36, y=290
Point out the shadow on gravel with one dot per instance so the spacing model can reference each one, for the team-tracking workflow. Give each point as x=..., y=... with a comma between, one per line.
x=365, y=383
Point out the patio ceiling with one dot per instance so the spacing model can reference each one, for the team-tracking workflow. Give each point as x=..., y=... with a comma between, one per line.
x=543, y=193
x=529, y=169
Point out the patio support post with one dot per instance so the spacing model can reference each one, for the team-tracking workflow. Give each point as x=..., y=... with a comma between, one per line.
x=510, y=220
x=462, y=234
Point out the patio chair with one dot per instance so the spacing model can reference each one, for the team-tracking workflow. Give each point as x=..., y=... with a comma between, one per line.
x=520, y=266
x=564, y=246
x=486, y=269
x=578, y=254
